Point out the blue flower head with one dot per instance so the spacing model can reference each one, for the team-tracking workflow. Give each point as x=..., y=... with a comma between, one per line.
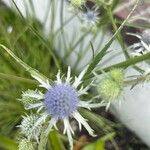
x=91, y=16
x=61, y=100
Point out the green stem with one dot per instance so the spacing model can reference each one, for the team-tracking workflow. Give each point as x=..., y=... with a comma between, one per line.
x=102, y=53
x=81, y=38
x=129, y=62
x=64, y=24
x=138, y=80
x=124, y=64
x=119, y=37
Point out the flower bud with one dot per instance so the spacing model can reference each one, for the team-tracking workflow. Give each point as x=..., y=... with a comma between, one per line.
x=30, y=97
x=109, y=90
x=25, y=144
x=28, y=127
x=117, y=75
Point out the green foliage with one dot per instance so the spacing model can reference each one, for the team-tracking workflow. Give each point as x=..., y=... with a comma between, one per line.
x=109, y=90
x=55, y=141
x=7, y=143
x=27, y=44
x=13, y=78
x=100, y=143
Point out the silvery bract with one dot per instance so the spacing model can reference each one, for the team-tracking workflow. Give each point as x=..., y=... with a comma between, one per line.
x=143, y=46
x=60, y=102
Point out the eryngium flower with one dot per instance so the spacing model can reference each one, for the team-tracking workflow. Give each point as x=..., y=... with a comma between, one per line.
x=143, y=46
x=61, y=102
x=111, y=87
x=91, y=17
x=28, y=127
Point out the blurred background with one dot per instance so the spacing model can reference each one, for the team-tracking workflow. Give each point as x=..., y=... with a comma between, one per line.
x=34, y=34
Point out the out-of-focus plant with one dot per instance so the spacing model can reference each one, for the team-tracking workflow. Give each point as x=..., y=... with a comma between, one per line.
x=27, y=45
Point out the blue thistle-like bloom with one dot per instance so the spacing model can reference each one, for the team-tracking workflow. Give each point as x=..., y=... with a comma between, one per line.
x=90, y=17
x=60, y=102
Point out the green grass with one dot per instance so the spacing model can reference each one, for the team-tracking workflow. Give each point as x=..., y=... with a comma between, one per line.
x=28, y=42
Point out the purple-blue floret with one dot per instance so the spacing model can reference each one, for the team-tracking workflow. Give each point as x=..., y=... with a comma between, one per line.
x=61, y=100
x=91, y=16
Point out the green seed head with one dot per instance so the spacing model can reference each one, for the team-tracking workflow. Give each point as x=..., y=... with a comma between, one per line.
x=109, y=90
x=117, y=75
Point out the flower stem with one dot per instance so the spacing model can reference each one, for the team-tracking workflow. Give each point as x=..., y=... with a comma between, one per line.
x=138, y=80
x=124, y=64
x=103, y=51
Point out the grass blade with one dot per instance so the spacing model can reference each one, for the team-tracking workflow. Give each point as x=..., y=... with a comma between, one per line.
x=32, y=71
x=102, y=53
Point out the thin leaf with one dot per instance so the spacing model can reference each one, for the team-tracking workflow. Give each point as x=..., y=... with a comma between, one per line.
x=32, y=71
x=102, y=53
x=100, y=143
x=124, y=64
x=38, y=35
x=92, y=48
x=55, y=141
